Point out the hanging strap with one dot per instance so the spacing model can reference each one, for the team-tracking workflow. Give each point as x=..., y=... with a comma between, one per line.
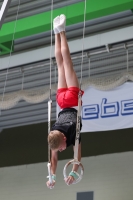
x=80, y=96
x=75, y=160
x=78, y=126
x=50, y=104
x=49, y=124
x=49, y=156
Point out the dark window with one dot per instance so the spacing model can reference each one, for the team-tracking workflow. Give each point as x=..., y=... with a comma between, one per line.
x=85, y=195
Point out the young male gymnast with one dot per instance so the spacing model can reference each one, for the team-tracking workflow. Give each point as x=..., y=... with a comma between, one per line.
x=63, y=131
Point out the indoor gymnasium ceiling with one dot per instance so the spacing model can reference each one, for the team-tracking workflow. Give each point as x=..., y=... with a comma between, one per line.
x=36, y=75
x=28, y=37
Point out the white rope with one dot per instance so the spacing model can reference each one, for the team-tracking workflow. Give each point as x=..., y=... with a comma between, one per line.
x=22, y=78
x=82, y=57
x=11, y=51
x=51, y=46
x=50, y=101
x=55, y=74
x=80, y=95
x=127, y=61
x=89, y=67
x=23, y=81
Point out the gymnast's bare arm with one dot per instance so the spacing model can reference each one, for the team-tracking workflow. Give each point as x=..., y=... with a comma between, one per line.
x=54, y=160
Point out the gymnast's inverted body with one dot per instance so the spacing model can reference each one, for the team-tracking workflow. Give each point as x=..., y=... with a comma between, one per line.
x=63, y=131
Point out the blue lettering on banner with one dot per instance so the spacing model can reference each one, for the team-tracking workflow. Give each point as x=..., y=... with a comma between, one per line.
x=106, y=110
x=90, y=111
x=127, y=107
x=109, y=109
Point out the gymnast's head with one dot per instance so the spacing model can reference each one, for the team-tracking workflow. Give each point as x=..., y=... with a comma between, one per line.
x=57, y=141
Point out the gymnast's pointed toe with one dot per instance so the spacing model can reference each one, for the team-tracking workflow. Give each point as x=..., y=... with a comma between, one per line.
x=56, y=23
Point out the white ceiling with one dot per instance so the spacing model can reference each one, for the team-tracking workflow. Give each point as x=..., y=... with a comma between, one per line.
x=36, y=75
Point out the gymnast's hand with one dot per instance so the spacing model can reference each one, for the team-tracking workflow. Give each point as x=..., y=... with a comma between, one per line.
x=50, y=185
x=69, y=180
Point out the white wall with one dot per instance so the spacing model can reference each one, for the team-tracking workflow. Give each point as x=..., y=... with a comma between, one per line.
x=109, y=176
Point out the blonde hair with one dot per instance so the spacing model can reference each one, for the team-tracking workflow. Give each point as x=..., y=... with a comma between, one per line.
x=54, y=139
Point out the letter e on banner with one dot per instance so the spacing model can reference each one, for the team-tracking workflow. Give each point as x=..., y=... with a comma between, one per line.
x=90, y=112
x=127, y=107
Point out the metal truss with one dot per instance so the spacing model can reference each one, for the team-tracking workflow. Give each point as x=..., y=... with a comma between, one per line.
x=4, y=10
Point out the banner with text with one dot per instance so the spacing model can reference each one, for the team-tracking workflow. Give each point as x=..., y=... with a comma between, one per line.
x=107, y=110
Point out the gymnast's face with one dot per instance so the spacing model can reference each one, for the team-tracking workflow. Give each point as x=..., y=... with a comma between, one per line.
x=62, y=146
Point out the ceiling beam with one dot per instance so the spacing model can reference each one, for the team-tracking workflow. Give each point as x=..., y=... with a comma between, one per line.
x=90, y=42
x=75, y=14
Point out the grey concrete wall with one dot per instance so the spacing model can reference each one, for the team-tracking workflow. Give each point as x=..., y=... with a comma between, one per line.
x=110, y=177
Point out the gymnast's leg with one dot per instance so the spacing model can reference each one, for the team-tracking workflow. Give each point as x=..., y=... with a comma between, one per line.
x=71, y=78
x=59, y=58
x=70, y=75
